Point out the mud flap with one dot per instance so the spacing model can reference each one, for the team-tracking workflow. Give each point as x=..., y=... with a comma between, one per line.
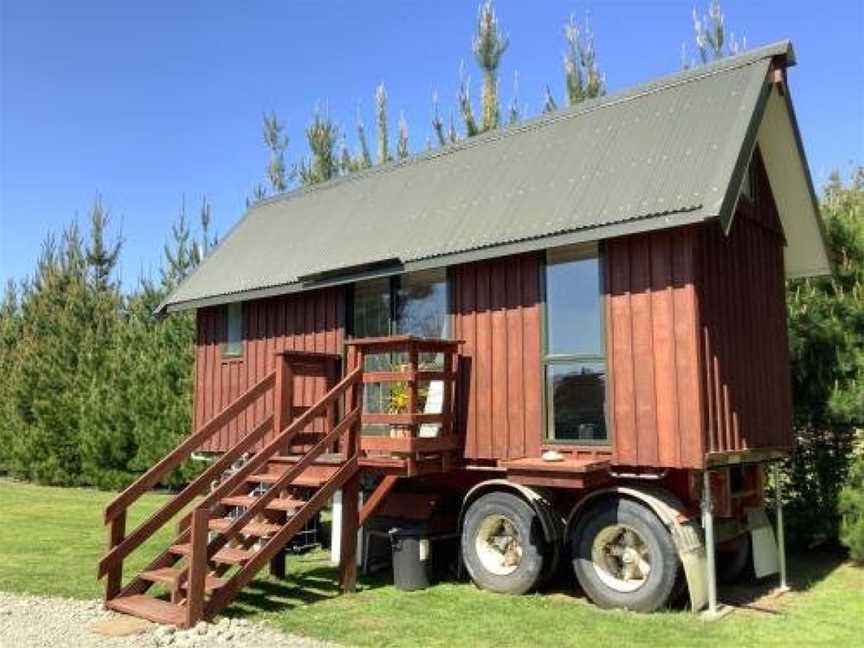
x=691, y=551
x=766, y=560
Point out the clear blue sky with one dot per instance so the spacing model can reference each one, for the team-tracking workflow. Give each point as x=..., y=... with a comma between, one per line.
x=146, y=102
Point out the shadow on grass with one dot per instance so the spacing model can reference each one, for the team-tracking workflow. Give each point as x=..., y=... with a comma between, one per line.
x=306, y=586
x=316, y=581
x=804, y=572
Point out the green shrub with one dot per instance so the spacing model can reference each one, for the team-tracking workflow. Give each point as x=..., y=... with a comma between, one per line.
x=851, y=505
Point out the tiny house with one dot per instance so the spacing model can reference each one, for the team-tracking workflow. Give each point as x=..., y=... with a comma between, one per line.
x=574, y=328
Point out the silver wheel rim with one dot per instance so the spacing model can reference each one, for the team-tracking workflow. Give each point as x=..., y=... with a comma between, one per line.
x=621, y=558
x=498, y=545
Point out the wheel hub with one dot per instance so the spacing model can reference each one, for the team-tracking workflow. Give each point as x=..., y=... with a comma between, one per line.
x=621, y=558
x=498, y=545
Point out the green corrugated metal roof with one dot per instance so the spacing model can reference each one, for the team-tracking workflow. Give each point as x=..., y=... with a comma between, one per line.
x=659, y=155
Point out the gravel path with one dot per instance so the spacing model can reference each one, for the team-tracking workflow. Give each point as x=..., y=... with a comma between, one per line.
x=41, y=622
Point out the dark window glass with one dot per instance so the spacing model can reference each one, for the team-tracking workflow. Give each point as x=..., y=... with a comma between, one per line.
x=577, y=401
x=372, y=308
x=234, y=330
x=421, y=310
x=573, y=306
x=421, y=304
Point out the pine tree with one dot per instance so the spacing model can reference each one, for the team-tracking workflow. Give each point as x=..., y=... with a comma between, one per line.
x=365, y=158
x=276, y=143
x=10, y=332
x=489, y=46
x=826, y=329
x=710, y=34
x=514, y=110
x=55, y=316
x=437, y=124
x=322, y=136
x=402, y=150
x=381, y=119
x=549, y=103
x=582, y=77
x=103, y=419
x=465, y=107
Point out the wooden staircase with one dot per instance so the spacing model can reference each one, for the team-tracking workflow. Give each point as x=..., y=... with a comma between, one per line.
x=228, y=531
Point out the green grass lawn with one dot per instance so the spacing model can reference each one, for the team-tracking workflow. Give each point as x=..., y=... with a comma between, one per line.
x=51, y=538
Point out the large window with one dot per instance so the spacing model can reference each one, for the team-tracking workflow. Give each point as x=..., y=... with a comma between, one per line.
x=574, y=360
x=233, y=330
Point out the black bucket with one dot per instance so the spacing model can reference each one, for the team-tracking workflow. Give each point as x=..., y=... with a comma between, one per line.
x=412, y=564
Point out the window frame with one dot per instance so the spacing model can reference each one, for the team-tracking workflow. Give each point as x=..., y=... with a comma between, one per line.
x=575, y=253
x=228, y=353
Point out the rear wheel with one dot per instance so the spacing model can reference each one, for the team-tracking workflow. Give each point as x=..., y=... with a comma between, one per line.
x=502, y=544
x=624, y=557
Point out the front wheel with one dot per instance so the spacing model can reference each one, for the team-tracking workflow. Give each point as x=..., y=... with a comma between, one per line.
x=502, y=544
x=624, y=557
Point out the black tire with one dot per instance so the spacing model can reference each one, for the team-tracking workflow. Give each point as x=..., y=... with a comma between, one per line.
x=526, y=572
x=658, y=588
x=733, y=559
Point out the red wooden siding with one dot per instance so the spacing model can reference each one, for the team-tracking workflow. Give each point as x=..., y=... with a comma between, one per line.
x=310, y=321
x=496, y=311
x=652, y=348
x=744, y=336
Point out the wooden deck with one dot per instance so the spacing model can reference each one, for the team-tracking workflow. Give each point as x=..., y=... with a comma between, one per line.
x=568, y=473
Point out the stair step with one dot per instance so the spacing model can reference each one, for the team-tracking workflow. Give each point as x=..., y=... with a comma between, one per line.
x=324, y=459
x=226, y=555
x=257, y=529
x=147, y=607
x=276, y=504
x=169, y=575
x=302, y=480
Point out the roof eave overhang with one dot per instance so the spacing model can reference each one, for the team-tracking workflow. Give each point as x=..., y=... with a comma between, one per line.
x=588, y=235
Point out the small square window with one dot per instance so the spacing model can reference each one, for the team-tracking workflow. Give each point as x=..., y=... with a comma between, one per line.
x=233, y=330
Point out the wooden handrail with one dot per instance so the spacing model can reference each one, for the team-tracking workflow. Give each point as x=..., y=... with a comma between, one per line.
x=250, y=467
x=284, y=480
x=404, y=342
x=149, y=479
x=175, y=504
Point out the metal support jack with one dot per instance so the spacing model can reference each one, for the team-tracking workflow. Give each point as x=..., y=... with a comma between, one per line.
x=781, y=541
x=715, y=610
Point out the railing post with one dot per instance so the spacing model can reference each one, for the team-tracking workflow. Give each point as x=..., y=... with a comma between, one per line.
x=116, y=534
x=197, y=567
x=447, y=428
x=350, y=518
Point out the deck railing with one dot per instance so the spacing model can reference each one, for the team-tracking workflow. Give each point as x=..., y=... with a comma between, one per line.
x=410, y=430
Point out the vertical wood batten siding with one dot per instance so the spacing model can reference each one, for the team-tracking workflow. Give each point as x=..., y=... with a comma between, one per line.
x=652, y=349
x=496, y=311
x=310, y=321
x=744, y=337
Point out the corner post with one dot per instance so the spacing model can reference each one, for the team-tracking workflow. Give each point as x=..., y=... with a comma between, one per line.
x=197, y=567
x=708, y=526
x=350, y=518
x=283, y=402
x=116, y=534
x=781, y=541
